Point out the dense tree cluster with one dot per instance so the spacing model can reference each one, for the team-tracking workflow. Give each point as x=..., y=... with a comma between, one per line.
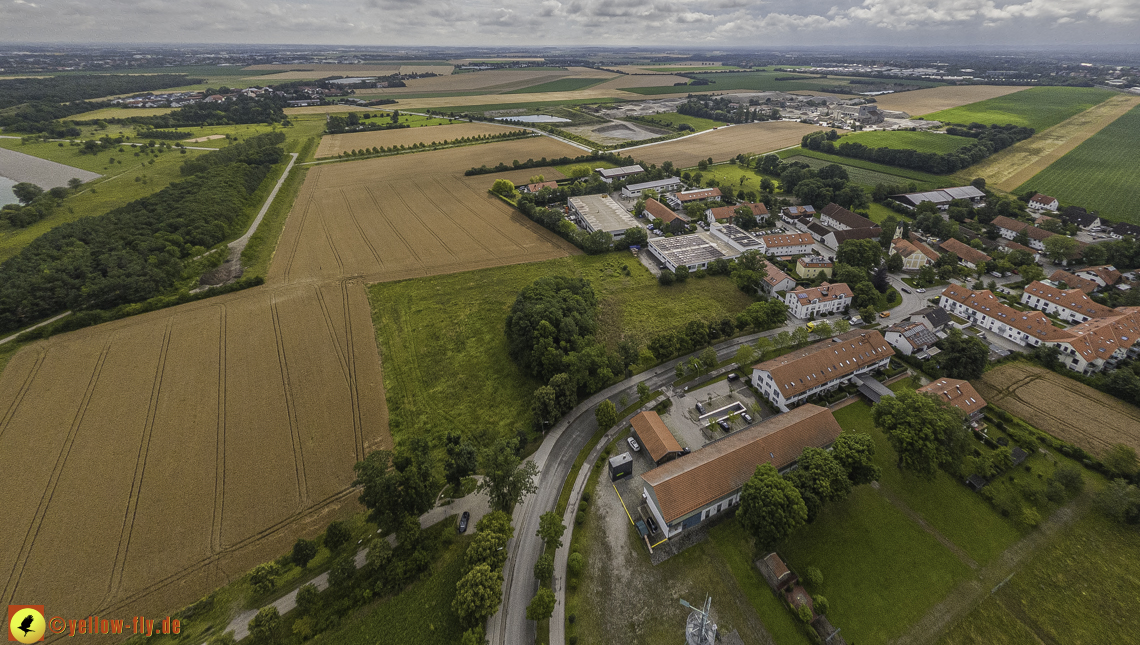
x=65, y=89
x=818, y=187
x=989, y=141
x=717, y=108
x=241, y=109
x=925, y=431
x=479, y=592
x=35, y=203
x=552, y=318
x=136, y=251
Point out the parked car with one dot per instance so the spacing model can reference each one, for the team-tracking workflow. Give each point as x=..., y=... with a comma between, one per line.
x=885, y=314
x=633, y=444
x=686, y=450
x=905, y=290
x=723, y=424
x=747, y=417
x=700, y=408
x=995, y=274
x=732, y=376
x=653, y=528
x=463, y=519
x=920, y=290
x=855, y=320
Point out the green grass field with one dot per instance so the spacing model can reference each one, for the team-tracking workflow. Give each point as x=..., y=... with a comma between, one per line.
x=1036, y=107
x=1101, y=174
x=699, y=124
x=441, y=336
x=730, y=174
x=906, y=139
x=561, y=85
x=1080, y=589
x=890, y=174
x=762, y=81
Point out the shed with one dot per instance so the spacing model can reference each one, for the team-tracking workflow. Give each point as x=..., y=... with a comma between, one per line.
x=1018, y=455
x=621, y=466
x=976, y=482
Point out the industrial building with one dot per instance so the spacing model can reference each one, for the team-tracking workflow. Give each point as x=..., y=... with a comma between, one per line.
x=601, y=213
x=695, y=250
x=610, y=174
x=661, y=186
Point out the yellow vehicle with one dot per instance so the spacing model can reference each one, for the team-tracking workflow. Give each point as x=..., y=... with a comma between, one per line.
x=811, y=326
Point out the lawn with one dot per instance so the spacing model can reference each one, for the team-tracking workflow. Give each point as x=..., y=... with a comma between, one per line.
x=730, y=175
x=1101, y=174
x=948, y=506
x=119, y=113
x=881, y=571
x=441, y=336
x=674, y=119
x=1081, y=588
x=909, y=140
x=560, y=85
x=1036, y=107
x=877, y=213
x=875, y=173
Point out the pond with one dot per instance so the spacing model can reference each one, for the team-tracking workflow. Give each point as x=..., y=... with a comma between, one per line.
x=6, y=194
x=534, y=118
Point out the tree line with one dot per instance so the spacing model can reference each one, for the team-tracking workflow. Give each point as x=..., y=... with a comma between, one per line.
x=139, y=250
x=989, y=141
x=68, y=88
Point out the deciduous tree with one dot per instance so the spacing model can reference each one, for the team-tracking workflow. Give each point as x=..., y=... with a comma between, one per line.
x=855, y=452
x=504, y=481
x=303, y=551
x=820, y=479
x=770, y=507
x=478, y=594
x=542, y=605
x=924, y=431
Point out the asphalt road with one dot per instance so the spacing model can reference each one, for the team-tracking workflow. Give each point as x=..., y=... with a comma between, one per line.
x=556, y=456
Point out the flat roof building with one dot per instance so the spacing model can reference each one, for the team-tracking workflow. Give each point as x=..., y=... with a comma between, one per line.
x=662, y=186
x=610, y=174
x=601, y=213
x=695, y=250
x=736, y=237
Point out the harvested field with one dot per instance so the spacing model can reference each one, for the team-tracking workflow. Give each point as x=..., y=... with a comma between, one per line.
x=1064, y=408
x=1018, y=163
x=334, y=144
x=442, y=70
x=175, y=450
x=489, y=81
x=916, y=102
x=725, y=143
x=412, y=215
x=588, y=95
x=326, y=70
x=327, y=109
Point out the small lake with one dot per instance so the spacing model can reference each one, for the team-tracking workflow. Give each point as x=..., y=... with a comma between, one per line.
x=534, y=118
x=6, y=194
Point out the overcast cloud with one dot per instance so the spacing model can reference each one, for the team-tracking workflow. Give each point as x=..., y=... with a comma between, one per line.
x=715, y=23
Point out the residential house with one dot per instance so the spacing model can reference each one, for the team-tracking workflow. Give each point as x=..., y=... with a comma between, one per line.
x=817, y=231
x=1100, y=343
x=1083, y=219
x=727, y=213
x=787, y=244
x=655, y=437
x=1037, y=237
x=915, y=254
x=535, y=187
x=1060, y=276
x=1014, y=246
x=698, y=486
x=670, y=220
x=775, y=280
x=1072, y=305
x=839, y=218
x=834, y=238
x=910, y=337
x=790, y=379
x=1008, y=227
x=1041, y=202
x=1125, y=229
x=679, y=199
x=807, y=267
x=942, y=198
x=933, y=318
x=959, y=394
x=1104, y=275
x=967, y=254
x=985, y=310
x=798, y=216
x=819, y=301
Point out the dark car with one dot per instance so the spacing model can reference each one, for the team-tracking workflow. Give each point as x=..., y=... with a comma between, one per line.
x=700, y=408
x=723, y=424
x=732, y=376
x=653, y=528
x=463, y=519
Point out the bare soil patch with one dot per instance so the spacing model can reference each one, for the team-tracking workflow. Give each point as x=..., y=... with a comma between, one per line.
x=1019, y=163
x=919, y=102
x=726, y=142
x=177, y=449
x=334, y=144
x=205, y=138
x=412, y=215
x=1064, y=408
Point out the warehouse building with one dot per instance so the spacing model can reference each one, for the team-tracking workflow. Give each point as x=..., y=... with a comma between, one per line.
x=661, y=186
x=601, y=213
x=695, y=250
x=610, y=174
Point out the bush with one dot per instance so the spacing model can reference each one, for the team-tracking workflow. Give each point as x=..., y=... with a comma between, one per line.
x=582, y=505
x=814, y=577
x=336, y=535
x=1054, y=491
x=586, y=495
x=303, y=552
x=1070, y=478
x=820, y=605
x=804, y=612
x=580, y=517
x=666, y=278
x=575, y=564
x=264, y=577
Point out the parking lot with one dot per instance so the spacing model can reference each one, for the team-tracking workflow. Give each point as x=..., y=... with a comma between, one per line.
x=721, y=400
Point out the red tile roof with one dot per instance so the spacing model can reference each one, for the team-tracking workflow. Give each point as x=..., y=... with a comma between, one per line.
x=846, y=217
x=692, y=482
x=1107, y=273
x=1044, y=200
x=729, y=212
x=965, y=252
x=1071, y=299
x=697, y=195
x=1099, y=338
x=787, y=239
x=1001, y=221
x=957, y=393
x=1073, y=281
x=655, y=437
x=826, y=361
x=661, y=211
x=1034, y=323
x=774, y=276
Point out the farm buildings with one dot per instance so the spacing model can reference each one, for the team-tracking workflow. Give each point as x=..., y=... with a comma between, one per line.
x=790, y=379
x=693, y=488
x=601, y=213
x=942, y=198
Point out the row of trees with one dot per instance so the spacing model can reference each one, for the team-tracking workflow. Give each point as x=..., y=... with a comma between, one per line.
x=136, y=251
x=480, y=591
x=988, y=142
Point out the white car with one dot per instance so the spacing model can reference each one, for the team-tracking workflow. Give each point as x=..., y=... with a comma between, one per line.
x=633, y=444
x=921, y=290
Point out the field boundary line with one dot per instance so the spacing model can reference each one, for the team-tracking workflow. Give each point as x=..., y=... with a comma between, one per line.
x=127, y=530
x=290, y=405
x=354, y=391
x=332, y=244
x=35, y=326
x=220, y=440
x=11, y=411
x=57, y=472
x=287, y=266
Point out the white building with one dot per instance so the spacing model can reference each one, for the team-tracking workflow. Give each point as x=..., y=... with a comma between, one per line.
x=1041, y=202
x=790, y=379
x=610, y=174
x=695, y=250
x=601, y=213
x=820, y=301
x=983, y=309
x=775, y=280
x=661, y=186
x=1072, y=305
x=787, y=244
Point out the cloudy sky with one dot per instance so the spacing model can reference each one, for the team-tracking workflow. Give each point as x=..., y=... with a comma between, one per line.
x=712, y=23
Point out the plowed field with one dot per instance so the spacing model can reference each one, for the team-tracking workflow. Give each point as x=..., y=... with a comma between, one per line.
x=145, y=462
x=334, y=144
x=726, y=142
x=933, y=99
x=412, y=215
x=1064, y=408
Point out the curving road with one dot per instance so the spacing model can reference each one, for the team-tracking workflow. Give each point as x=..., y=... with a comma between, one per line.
x=556, y=456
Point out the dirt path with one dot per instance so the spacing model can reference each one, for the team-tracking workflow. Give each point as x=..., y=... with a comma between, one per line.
x=917, y=519
x=1018, y=164
x=966, y=596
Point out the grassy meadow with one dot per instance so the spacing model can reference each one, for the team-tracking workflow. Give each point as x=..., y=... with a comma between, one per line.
x=1101, y=174
x=699, y=124
x=440, y=337
x=1036, y=107
x=907, y=139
